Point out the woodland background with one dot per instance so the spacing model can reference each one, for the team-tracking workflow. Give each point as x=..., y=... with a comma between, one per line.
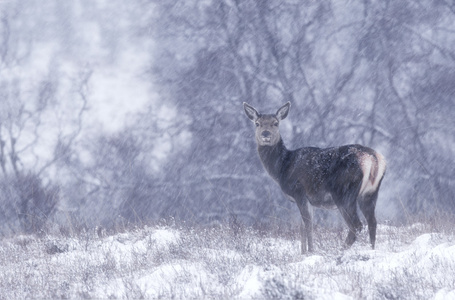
x=115, y=112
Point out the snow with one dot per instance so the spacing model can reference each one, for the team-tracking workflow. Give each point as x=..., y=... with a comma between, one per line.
x=249, y=279
x=163, y=262
x=165, y=237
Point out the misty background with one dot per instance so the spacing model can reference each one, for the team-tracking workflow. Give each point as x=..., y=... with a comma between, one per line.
x=115, y=112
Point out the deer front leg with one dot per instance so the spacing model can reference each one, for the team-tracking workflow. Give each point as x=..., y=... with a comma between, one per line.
x=306, y=228
x=303, y=238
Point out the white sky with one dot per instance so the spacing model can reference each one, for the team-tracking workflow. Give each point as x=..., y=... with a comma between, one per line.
x=118, y=91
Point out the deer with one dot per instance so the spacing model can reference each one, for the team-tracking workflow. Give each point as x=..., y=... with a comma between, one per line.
x=341, y=177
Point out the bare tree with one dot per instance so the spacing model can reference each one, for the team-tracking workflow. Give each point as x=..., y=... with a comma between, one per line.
x=356, y=73
x=32, y=141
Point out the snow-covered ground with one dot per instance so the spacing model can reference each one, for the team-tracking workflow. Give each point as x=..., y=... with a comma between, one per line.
x=415, y=262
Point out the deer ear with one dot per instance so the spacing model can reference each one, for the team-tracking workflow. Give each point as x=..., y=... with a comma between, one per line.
x=283, y=111
x=251, y=113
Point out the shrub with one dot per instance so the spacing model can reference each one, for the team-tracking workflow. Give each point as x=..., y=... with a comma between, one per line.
x=26, y=203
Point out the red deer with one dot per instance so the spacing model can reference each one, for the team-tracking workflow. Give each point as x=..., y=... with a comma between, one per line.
x=341, y=177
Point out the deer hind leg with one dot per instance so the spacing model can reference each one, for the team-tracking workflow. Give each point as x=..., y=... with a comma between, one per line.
x=367, y=205
x=349, y=213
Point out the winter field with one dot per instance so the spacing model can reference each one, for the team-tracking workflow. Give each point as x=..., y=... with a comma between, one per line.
x=170, y=261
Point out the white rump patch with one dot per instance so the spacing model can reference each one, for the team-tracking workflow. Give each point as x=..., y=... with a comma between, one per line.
x=373, y=168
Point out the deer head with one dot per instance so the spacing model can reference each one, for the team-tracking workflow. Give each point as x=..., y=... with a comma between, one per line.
x=267, y=126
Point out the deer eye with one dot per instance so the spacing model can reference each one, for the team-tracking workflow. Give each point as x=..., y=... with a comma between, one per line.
x=257, y=124
x=275, y=123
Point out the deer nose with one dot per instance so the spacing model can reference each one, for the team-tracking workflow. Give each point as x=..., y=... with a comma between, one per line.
x=266, y=134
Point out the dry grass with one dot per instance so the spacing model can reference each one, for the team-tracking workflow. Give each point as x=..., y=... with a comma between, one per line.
x=224, y=262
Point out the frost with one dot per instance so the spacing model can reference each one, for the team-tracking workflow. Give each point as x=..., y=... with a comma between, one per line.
x=187, y=263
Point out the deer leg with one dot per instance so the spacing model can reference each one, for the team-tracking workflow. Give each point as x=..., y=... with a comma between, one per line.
x=306, y=234
x=349, y=213
x=367, y=205
x=303, y=238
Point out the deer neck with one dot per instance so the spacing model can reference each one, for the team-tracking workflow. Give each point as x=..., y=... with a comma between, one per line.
x=273, y=159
